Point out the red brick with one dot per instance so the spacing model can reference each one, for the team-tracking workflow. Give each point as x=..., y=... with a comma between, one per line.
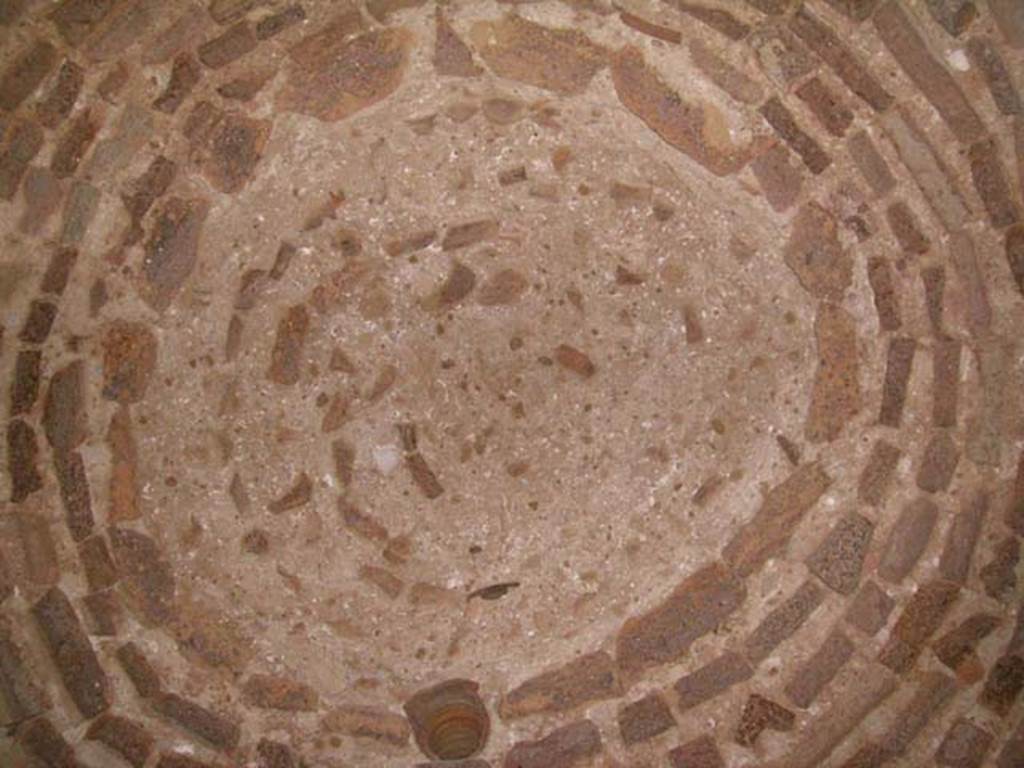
x=897, y=31
x=275, y=24
x=815, y=255
x=58, y=271
x=780, y=180
x=21, y=696
x=100, y=572
x=644, y=719
x=838, y=559
x=24, y=140
x=965, y=745
x=147, y=576
x=712, y=679
x=75, y=143
x=906, y=228
x=819, y=669
x=1003, y=685
x=62, y=96
x=144, y=677
x=170, y=251
x=767, y=533
x=184, y=77
x=717, y=19
x=869, y=610
x=898, y=367
x=959, y=644
x=887, y=300
x=955, y=561
x=917, y=623
x=22, y=458
x=368, y=723
x=280, y=693
x=697, y=606
x=929, y=699
x=104, y=611
x=821, y=39
x=217, y=730
x=26, y=73
x=589, y=678
x=565, y=747
x=809, y=150
x=126, y=737
x=72, y=653
x=25, y=382
x=39, y=322
x=990, y=181
x=760, y=714
x=946, y=355
x=783, y=621
x=783, y=58
x=986, y=59
x=701, y=752
x=938, y=463
x=452, y=57
x=836, y=395
x=42, y=740
x=999, y=575
x=830, y=110
x=907, y=539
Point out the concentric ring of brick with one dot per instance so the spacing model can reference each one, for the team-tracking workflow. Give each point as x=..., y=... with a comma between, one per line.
x=864, y=610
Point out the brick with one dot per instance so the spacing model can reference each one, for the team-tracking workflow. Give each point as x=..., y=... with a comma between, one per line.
x=129, y=357
x=1003, y=685
x=697, y=606
x=280, y=693
x=131, y=132
x=938, y=463
x=104, y=611
x=932, y=694
x=965, y=745
x=58, y=103
x=946, y=355
x=1009, y=17
x=220, y=732
x=58, y=271
x=821, y=39
x=123, y=490
x=783, y=58
x=986, y=427
x=811, y=677
x=999, y=575
x=876, y=477
x=815, y=255
x=886, y=296
x=870, y=163
x=25, y=382
x=43, y=741
x=836, y=395
x=231, y=45
x=79, y=211
x=919, y=620
x=564, y=747
x=74, y=493
x=147, y=577
x=274, y=754
x=185, y=75
x=452, y=57
x=760, y=714
x=830, y=110
x=955, y=16
x=806, y=147
x=965, y=262
x=783, y=621
x=899, y=364
x=26, y=73
x=286, y=358
x=22, y=460
x=717, y=19
x=644, y=719
x=869, y=610
x=21, y=696
x=907, y=539
x=230, y=154
x=276, y=23
x=651, y=29
x=767, y=533
x=780, y=180
x=838, y=559
x=170, y=251
x=959, y=644
x=933, y=280
x=373, y=723
x=72, y=653
x=905, y=43
x=74, y=144
x=245, y=87
x=701, y=752
x=126, y=737
x=928, y=171
x=42, y=191
x=723, y=74
x=39, y=322
x=150, y=186
x=906, y=228
x=100, y=572
x=589, y=678
x=38, y=548
x=1009, y=756
x=955, y=561
x=712, y=679
x=986, y=59
x=990, y=181
x=24, y=140
x=144, y=677
x=332, y=75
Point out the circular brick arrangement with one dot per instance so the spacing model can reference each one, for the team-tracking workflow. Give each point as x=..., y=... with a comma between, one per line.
x=524, y=384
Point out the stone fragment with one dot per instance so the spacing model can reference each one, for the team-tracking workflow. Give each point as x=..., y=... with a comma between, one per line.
x=132, y=131
x=819, y=669
x=959, y=644
x=917, y=623
x=574, y=360
x=589, y=678
x=907, y=539
x=938, y=463
x=299, y=494
x=245, y=87
x=783, y=58
x=217, y=730
x=502, y=288
x=145, y=190
x=280, y=693
x=760, y=714
x=899, y=35
x=124, y=461
x=274, y=754
x=933, y=279
x=332, y=75
x=276, y=23
x=694, y=128
x=886, y=297
x=965, y=745
x=999, y=574
x=422, y=475
x=767, y=533
x=452, y=57
x=838, y=559
x=38, y=548
x=26, y=73
x=712, y=679
x=650, y=28
x=39, y=322
x=906, y=229
x=701, y=752
x=185, y=75
x=171, y=250
x=129, y=357
x=25, y=383
x=382, y=579
x=344, y=461
x=780, y=180
x=987, y=425
x=899, y=364
x=991, y=183
x=79, y=212
x=644, y=719
x=783, y=621
x=72, y=653
x=814, y=254
x=22, y=457
x=836, y=396
x=113, y=82
x=986, y=59
x=821, y=39
x=965, y=261
x=830, y=110
x=568, y=746
x=229, y=154
x=1003, y=685
x=230, y=11
x=74, y=493
x=229, y=46
x=146, y=575
x=869, y=611
x=469, y=233
x=64, y=417
x=144, y=677
x=104, y=613
x=126, y=737
x=368, y=723
x=698, y=605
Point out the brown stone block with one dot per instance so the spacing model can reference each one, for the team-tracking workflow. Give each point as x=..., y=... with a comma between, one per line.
x=830, y=110
x=170, y=251
x=760, y=714
x=701, y=752
x=965, y=745
x=778, y=116
x=22, y=460
x=142, y=674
